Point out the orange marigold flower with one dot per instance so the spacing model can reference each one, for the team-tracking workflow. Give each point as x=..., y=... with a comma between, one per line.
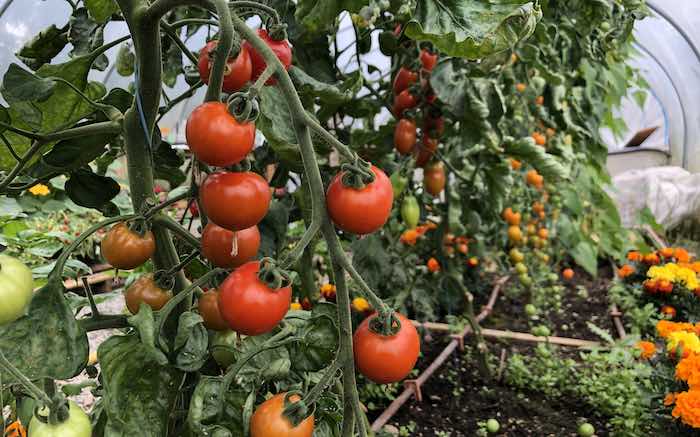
x=433, y=265
x=666, y=327
x=664, y=286
x=361, y=305
x=651, y=259
x=666, y=252
x=625, y=271
x=15, y=429
x=295, y=306
x=695, y=266
x=669, y=399
x=634, y=256
x=410, y=237
x=650, y=286
x=669, y=311
x=688, y=408
x=688, y=370
x=515, y=164
x=681, y=255
x=647, y=348
x=328, y=291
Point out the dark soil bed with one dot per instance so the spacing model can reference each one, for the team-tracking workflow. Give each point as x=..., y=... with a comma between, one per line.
x=576, y=311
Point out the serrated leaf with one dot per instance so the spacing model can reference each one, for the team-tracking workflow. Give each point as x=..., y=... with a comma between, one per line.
x=90, y=190
x=202, y=416
x=473, y=28
x=86, y=35
x=526, y=150
x=371, y=259
x=43, y=47
x=20, y=85
x=275, y=122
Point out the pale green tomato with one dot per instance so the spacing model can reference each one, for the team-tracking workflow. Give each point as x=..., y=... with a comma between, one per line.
x=15, y=289
x=77, y=425
x=586, y=430
x=221, y=346
x=493, y=426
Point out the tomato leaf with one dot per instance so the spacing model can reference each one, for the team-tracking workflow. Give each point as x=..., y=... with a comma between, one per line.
x=145, y=324
x=167, y=163
x=138, y=392
x=43, y=47
x=317, y=16
x=76, y=152
x=271, y=364
x=101, y=10
x=273, y=229
x=526, y=150
x=191, y=342
x=370, y=259
x=473, y=29
x=20, y=85
x=86, y=35
x=586, y=255
x=90, y=190
x=275, y=122
x=329, y=94
x=202, y=416
x=319, y=338
x=48, y=342
x=125, y=60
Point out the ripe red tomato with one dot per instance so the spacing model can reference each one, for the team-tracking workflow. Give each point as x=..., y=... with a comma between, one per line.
x=145, y=290
x=426, y=150
x=248, y=305
x=428, y=59
x=360, y=211
x=404, y=78
x=434, y=178
x=217, y=245
x=238, y=70
x=216, y=137
x=281, y=48
x=403, y=101
x=235, y=201
x=434, y=126
x=269, y=420
x=125, y=249
x=208, y=305
x=386, y=359
x=405, y=136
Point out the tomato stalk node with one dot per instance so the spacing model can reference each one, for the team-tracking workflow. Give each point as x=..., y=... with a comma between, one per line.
x=243, y=106
x=272, y=275
x=358, y=174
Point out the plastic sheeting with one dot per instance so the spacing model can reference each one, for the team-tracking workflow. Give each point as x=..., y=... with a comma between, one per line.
x=672, y=194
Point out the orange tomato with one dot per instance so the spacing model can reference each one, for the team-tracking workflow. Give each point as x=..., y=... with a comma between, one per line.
x=568, y=274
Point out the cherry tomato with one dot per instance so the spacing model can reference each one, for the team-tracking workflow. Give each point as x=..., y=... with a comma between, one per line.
x=235, y=201
x=208, y=305
x=76, y=425
x=281, y=48
x=238, y=70
x=269, y=420
x=428, y=59
x=216, y=137
x=426, y=150
x=248, y=305
x=360, y=211
x=386, y=359
x=434, y=126
x=434, y=178
x=218, y=247
x=403, y=101
x=194, y=209
x=405, y=136
x=404, y=78
x=125, y=249
x=145, y=290
x=16, y=285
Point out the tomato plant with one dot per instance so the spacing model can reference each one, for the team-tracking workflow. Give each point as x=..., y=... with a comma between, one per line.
x=281, y=49
x=146, y=290
x=126, y=249
x=268, y=421
x=16, y=281
x=208, y=306
x=76, y=425
x=222, y=193
x=237, y=73
x=226, y=248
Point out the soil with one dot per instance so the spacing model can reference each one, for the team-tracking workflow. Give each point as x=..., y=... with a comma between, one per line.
x=576, y=310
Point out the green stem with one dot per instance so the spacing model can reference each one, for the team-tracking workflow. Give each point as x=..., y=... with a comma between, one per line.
x=373, y=299
x=327, y=378
x=104, y=322
x=171, y=225
x=182, y=97
x=20, y=164
x=258, y=7
x=294, y=255
x=109, y=111
x=182, y=264
x=172, y=34
x=223, y=49
x=187, y=21
x=329, y=138
x=260, y=81
x=37, y=393
x=91, y=299
x=57, y=272
x=167, y=203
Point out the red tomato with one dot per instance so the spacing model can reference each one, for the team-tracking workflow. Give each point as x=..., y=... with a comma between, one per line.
x=235, y=201
x=238, y=71
x=386, y=359
x=281, y=48
x=208, y=306
x=434, y=178
x=426, y=150
x=403, y=101
x=248, y=305
x=216, y=137
x=435, y=126
x=428, y=60
x=125, y=249
x=360, y=211
x=217, y=245
x=194, y=209
x=405, y=136
x=404, y=78
x=269, y=420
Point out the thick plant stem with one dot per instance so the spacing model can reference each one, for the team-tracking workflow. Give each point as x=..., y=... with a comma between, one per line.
x=223, y=49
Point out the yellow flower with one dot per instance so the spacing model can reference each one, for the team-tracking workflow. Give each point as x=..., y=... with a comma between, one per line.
x=360, y=304
x=687, y=340
x=295, y=306
x=675, y=273
x=40, y=190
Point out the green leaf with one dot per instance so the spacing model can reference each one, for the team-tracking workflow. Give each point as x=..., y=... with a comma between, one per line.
x=167, y=163
x=273, y=229
x=275, y=122
x=101, y=10
x=9, y=207
x=317, y=16
x=371, y=259
x=87, y=189
x=76, y=152
x=125, y=60
x=271, y=364
x=48, y=342
x=145, y=324
x=202, y=416
x=526, y=150
x=330, y=94
x=119, y=98
x=20, y=85
x=319, y=337
x=586, y=255
x=191, y=342
x=498, y=180
x=138, y=393
x=44, y=47
x=473, y=28
x=87, y=35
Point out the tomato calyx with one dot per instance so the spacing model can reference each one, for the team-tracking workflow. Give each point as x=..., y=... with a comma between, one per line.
x=277, y=31
x=297, y=411
x=385, y=324
x=272, y=275
x=58, y=411
x=358, y=174
x=243, y=106
x=164, y=279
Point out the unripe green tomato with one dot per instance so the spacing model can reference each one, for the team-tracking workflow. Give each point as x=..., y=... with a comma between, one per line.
x=221, y=348
x=76, y=425
x=525, y=279
x=530, y=310
x=16, y=286
x=410, y=212
x=586, y=430
x=541, y=331
x=604, y=26
x=516, y=256
x=398, y=183
x=521, y=268
x=493, y=426
x=553, y=277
